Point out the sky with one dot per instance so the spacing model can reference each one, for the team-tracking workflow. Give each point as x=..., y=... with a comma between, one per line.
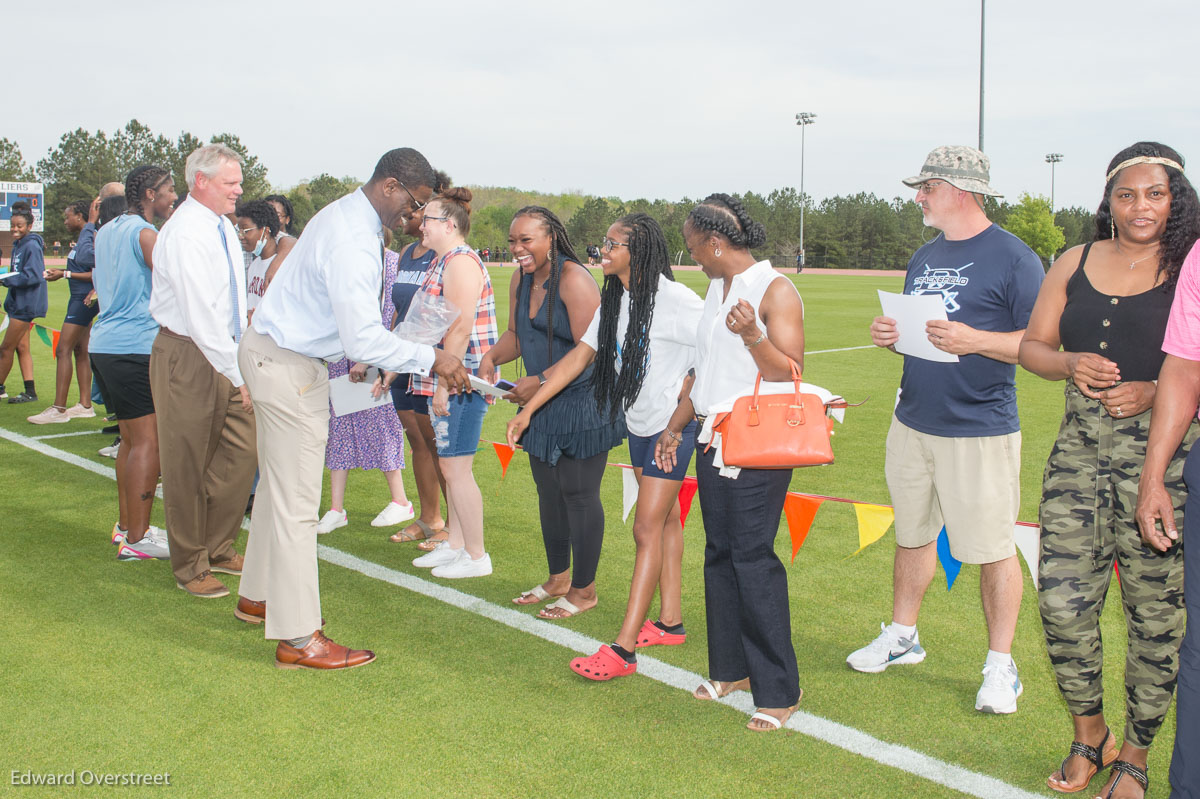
x=651, y=99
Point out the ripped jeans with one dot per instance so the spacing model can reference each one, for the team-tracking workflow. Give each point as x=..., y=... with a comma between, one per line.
x=458, y=433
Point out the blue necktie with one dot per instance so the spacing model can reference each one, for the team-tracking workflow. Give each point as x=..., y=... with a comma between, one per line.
x=233, y=289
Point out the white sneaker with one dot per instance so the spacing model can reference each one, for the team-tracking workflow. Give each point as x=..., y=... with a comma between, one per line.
x=332, y=520
x=110, y=451
x=153, y=546
x=77, y=411
x=886, y=650
x=440, y=556
x=51, y=415
x=465, y=566
x=394, y=514
x=118, y=535
x=1000, y=689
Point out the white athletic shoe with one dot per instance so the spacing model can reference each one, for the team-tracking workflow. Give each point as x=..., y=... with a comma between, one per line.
x=153, y=546
x=886, y=650
x=112, y=450
x=118, y=535
x=394, y=514
x=332, y=520
x=440, y=556
x=77, y=411
x=51, y=415
x=465, y=566
x=1000, y=689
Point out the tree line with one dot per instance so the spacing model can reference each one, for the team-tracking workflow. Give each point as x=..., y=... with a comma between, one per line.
x=859, y=231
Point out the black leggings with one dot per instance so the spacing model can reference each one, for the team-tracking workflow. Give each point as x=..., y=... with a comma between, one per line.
x=572, y=516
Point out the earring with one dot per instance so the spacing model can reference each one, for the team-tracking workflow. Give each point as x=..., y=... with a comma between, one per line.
x=717, y=252
x=1112, y=229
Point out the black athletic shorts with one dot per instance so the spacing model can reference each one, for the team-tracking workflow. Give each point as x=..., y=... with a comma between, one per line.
x=80, y=313
x=125, y=383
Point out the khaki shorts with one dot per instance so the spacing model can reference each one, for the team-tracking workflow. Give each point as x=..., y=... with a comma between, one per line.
x=970, y=485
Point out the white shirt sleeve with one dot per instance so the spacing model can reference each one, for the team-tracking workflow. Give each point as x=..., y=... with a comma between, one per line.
x=354, y=279
x=201, y=290
x=686, y=309
x=591, y=336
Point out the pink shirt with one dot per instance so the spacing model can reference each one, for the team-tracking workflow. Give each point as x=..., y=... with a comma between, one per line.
x=1183, y=326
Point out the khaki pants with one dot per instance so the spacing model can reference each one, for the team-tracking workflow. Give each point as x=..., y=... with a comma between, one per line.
x=206, y=448
x=291, y=407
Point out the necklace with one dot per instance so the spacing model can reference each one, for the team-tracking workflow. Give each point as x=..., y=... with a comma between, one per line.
x=1132, y=264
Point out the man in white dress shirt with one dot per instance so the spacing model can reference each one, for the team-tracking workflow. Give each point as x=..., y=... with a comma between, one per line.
x=323, y=303
x=205, y=427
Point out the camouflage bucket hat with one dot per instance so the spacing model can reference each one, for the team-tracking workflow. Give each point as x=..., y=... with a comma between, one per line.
x=964, y=168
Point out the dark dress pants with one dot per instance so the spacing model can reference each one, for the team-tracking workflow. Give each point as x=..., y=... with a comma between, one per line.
x=1185, y=762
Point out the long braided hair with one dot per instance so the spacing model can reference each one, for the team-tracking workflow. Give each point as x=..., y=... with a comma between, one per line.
x=648, y=258
x=560, y=244
x=725, y=215
x=141, y=179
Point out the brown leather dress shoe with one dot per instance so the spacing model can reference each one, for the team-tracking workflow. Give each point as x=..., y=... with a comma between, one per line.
x=231, y=566
x=205, y=586
x=250, y=611
x=321, y=653
x=254, y=612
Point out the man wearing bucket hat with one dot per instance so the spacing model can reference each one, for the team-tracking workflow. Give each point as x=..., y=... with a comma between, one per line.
x=954, y=448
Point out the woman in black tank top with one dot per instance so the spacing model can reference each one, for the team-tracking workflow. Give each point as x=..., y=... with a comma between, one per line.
x=1098, y=325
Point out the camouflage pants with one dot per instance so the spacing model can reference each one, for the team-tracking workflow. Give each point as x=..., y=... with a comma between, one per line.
x=1089, y=494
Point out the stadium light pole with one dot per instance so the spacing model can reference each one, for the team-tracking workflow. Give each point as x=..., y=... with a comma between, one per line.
x=1052, y=159
x=803, y=119
x=981, y=39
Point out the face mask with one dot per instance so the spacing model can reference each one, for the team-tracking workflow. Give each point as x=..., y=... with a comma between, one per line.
x=258, y=248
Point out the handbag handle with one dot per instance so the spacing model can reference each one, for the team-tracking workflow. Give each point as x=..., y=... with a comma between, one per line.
x=796, y=380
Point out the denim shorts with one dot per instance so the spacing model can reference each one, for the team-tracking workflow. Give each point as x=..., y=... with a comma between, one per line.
x=458, y=433
x=641, y=452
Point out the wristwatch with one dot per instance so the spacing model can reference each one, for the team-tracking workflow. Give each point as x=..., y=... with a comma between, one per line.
x=67, y=274
x=541, y=376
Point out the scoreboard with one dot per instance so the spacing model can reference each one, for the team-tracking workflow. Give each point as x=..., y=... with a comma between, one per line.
x=11, y=192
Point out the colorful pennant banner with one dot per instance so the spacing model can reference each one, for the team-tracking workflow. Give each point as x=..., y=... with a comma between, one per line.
x=950, y=564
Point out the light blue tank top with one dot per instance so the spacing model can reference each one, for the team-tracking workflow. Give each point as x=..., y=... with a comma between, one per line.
x=122, y=280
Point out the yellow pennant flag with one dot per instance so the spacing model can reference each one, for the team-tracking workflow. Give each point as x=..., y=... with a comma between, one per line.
x=873, y=522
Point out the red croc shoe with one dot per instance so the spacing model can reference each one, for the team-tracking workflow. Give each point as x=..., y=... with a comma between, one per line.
x=604, y=665
x=652, y=634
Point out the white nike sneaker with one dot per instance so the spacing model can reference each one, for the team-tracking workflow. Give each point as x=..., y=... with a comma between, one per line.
x=153, y=546
x=465, y=566
x=440, y=556
x=1000, y=689
x=332, y=520
x=51, y=415
x=77, y=411
x=394, y=514
x=886, y=650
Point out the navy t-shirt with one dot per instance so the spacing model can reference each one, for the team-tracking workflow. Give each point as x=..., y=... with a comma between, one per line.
x=989, y=282
x=82, y=259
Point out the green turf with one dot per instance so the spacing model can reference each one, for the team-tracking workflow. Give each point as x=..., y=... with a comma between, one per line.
x=111, y=668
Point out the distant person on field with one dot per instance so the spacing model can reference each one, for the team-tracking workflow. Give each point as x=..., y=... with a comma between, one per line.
x=954, y=448
x=205, y=422
x=119, y=347
x=1099, y=325
x=285, y=238
x=80, y=218
x=26, y=300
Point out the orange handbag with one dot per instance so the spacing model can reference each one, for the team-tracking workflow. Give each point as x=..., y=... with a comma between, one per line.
x=776, y=431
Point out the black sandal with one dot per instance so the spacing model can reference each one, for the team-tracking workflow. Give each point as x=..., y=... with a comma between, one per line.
x=1123, y=767
x=1092, y=754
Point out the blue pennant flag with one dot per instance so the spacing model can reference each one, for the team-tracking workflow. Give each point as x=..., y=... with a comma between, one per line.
x=949, y=563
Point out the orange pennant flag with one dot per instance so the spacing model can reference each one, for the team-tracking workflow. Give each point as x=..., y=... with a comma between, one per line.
x=54, y=339
x=800, y=511
x=873, y=522
x=504, y=453
x=687, y=493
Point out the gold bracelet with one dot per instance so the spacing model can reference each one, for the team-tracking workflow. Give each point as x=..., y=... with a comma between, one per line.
x=676, y=437
x=757, y=341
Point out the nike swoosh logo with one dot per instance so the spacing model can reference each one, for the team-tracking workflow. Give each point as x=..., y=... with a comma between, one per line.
x=893, y=655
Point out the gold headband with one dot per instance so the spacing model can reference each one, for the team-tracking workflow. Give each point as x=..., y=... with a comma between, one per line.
x=1143, y=159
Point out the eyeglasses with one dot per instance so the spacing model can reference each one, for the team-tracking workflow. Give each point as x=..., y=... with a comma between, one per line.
x=427, y=217
x=245, y=231
x=419, y=205
x=608, y=244
x=928, y=186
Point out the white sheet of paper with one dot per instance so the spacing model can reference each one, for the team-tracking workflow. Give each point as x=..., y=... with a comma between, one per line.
x=348, y=398
x=484, y=387
x=7, y=275
x=911, y=312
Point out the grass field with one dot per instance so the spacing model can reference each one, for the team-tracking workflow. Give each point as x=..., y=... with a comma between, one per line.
x=112, y=669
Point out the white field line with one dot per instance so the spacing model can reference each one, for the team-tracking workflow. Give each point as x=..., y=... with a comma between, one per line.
x=839, y=735
x=67, y=435
x=840, y=349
